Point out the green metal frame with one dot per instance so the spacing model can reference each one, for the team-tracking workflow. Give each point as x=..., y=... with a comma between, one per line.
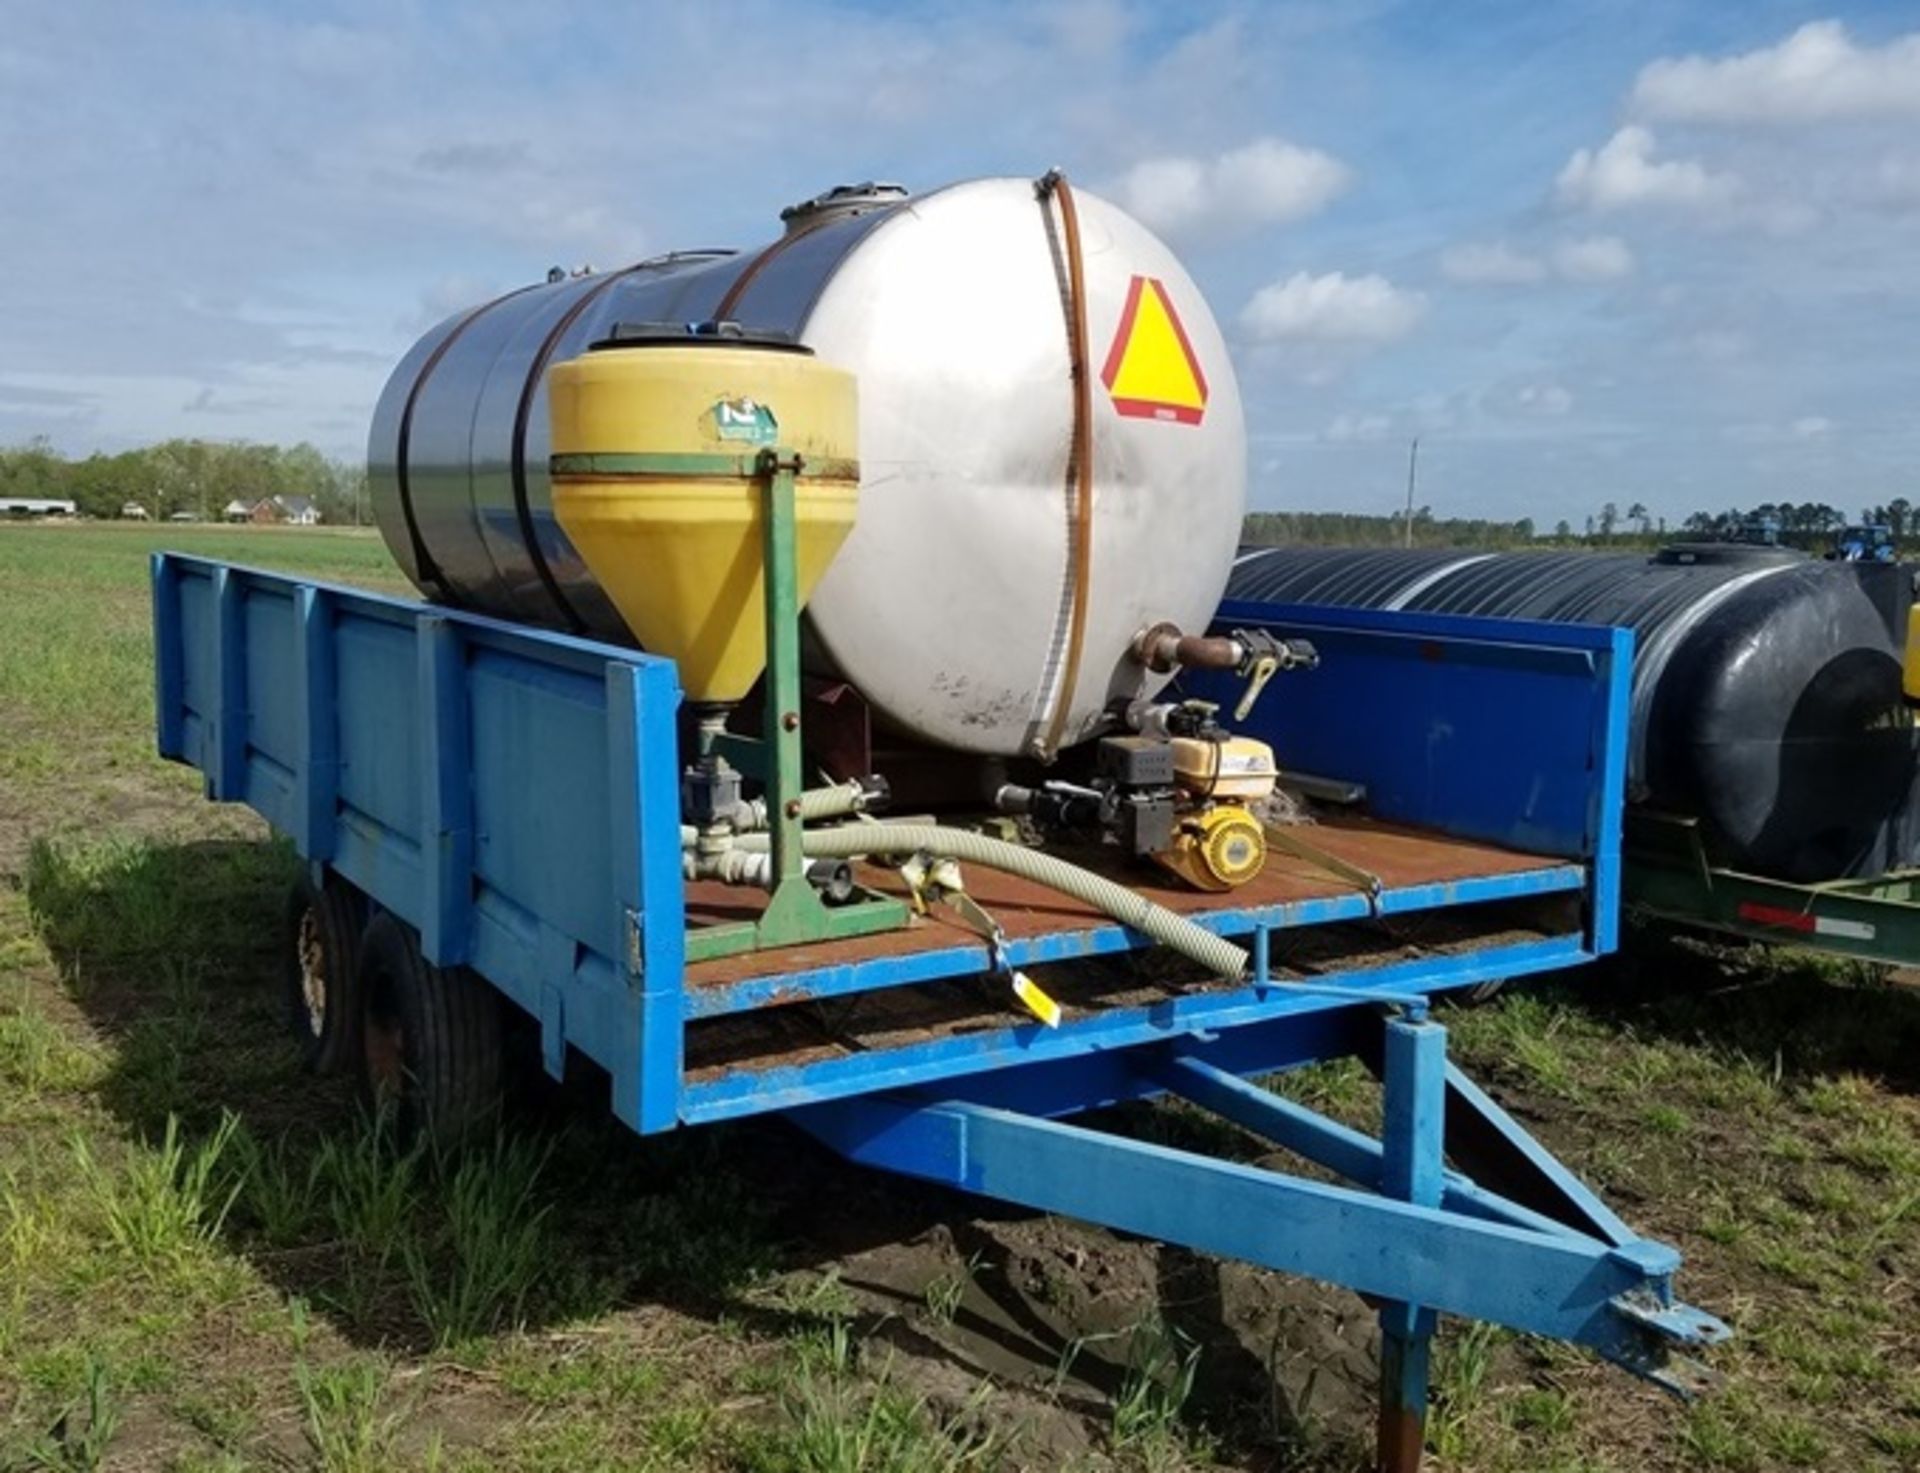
x=1671, y=875
x=795, y=913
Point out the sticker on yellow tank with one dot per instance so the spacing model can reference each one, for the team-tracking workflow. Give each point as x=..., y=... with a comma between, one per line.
x=745, y=420
x=1152, y=372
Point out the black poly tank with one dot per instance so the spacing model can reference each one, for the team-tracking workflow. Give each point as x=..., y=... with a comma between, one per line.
x=1766, y=691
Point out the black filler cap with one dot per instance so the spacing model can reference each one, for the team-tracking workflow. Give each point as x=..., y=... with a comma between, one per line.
x=697, y=335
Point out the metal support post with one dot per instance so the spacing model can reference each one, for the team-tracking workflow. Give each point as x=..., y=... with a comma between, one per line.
x=794, y=910
x=795, y=914
x=1412, y=1170
x=782, y=715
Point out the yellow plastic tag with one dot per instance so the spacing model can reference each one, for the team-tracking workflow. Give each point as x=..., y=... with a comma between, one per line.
x=1035, y=1001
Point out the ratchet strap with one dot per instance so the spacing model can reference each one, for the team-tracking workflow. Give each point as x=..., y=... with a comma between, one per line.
x=931, y=878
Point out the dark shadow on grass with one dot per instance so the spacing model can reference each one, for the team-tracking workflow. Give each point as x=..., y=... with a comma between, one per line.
x=1796, y=1013
x=172, y=951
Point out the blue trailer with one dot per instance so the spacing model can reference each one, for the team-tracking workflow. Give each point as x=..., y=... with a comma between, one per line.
x=494, y=810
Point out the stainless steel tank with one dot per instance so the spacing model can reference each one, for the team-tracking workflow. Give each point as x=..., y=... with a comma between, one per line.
x=949, y=606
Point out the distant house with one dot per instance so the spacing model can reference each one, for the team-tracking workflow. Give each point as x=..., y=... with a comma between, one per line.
x=184, y=516
x=291, y=511
x=35, y=506
x=237, y=511
x=133, y=511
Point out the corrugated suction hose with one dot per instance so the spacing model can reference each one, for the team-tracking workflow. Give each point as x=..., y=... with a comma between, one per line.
x=1175, y=932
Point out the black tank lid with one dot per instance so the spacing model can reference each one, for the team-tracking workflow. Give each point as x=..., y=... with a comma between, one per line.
x=843, y=199
x=1723, y=554
x=697, y=335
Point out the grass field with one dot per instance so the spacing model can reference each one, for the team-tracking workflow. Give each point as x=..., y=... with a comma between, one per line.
x=208, y=1261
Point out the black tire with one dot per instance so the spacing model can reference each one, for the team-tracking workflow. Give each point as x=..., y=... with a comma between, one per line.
x=430, y=1038
x=320, y=973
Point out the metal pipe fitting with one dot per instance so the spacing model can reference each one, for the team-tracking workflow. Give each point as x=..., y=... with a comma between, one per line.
x=832, y=878
x=751, y=816
x=1162, y=648
x=1150, y=719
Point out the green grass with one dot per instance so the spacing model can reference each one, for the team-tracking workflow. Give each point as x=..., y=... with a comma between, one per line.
x=209, y=1261
x=79, y=1440
x=73, y=604
x=839, y=1420
x=474, y=1270
x=164, y=1203
x=346, y=1421
x=1161, y=1366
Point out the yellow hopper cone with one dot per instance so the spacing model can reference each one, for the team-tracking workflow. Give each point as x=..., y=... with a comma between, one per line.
x=655, y=445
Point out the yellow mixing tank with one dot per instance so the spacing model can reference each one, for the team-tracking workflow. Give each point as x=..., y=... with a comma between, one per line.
x=681, y=556
x=1910, y=658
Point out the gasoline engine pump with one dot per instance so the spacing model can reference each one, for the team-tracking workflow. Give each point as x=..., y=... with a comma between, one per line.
x=1178, y=787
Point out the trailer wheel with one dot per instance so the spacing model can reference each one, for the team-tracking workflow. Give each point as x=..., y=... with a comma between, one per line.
x=320, y=965
x=431, y=1037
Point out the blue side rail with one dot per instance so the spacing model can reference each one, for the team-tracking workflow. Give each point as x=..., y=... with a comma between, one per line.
x=1464, y=725
x=513, y=794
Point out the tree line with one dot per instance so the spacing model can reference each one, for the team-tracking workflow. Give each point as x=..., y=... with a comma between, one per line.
x=199, y=477
x=1357, y=529
x=1808, y=523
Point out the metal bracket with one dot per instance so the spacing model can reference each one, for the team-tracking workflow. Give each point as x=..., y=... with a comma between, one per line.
x=635, y=929
x=1665, y=1325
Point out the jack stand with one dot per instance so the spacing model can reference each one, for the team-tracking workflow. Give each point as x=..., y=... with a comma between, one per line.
x=1412, y=1168
x=795, y=914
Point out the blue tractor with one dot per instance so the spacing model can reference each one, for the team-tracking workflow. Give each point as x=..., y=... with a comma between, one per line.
x=1869, y=543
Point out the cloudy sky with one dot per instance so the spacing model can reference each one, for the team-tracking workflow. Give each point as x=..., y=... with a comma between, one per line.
x=1590, y=250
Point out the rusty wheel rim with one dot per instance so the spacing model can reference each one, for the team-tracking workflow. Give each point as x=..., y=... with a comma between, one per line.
x=386, y=1054
x=312, y=954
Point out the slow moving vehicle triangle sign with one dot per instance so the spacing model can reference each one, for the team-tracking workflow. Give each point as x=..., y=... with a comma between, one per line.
x=1151, y=370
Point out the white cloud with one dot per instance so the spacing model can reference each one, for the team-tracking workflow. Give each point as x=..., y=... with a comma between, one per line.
x=1334, y=308
x=1545, y=399
x=1718, y=344
x=1491, y=263
x=448, y=295
x=1593, y=258
x=1279, y=181
x=1344, y=428
x=1776, y=432
x=1623, y=173
x=1165, y=193
x=1090, y=29
x=1896, y=182
x=1495, y=263
x=1267, y=182
x=1815, y=74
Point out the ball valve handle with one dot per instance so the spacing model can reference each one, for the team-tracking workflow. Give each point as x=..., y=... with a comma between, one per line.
x=1262, y=658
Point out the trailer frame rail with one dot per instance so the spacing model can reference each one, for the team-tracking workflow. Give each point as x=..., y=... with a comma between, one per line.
x=1671, y=876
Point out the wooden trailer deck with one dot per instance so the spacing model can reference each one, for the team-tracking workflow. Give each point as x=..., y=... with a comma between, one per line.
x=1418, y=868
x=803, y=1006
